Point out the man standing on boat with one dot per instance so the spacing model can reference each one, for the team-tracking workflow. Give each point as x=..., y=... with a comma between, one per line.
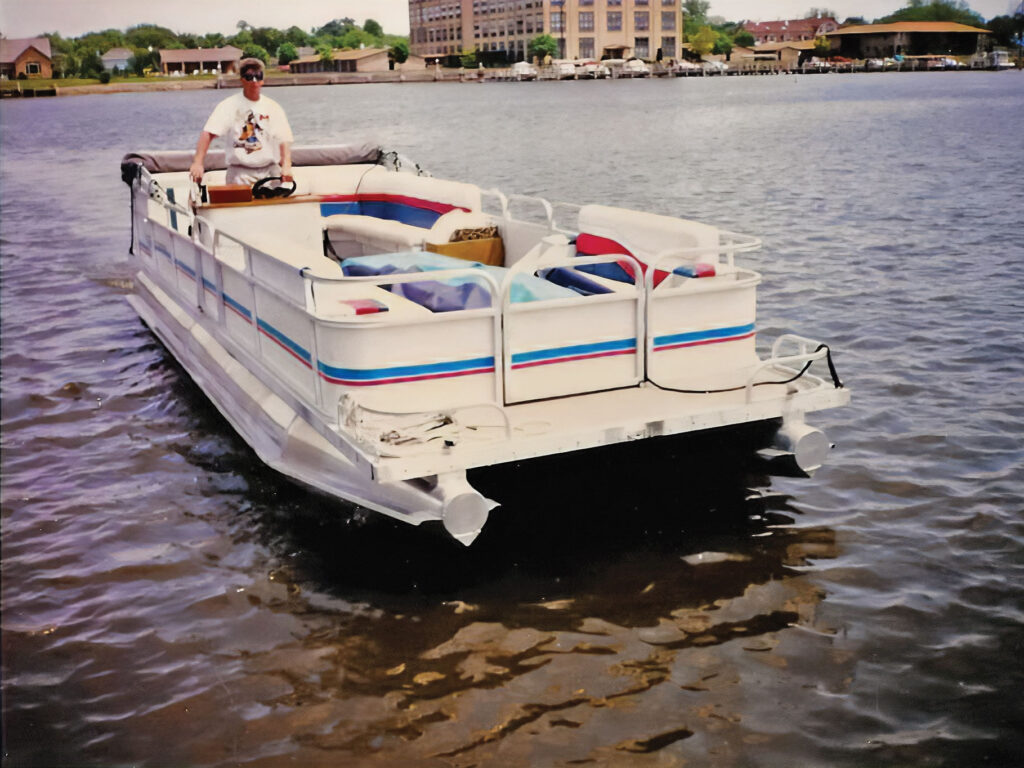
x=256, y=132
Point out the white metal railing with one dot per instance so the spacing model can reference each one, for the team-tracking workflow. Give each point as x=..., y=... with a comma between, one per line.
x=802, y=356
x=545, y=262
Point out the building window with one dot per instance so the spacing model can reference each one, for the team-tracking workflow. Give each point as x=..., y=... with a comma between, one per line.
x=586, y=21
x=32, y=68
x=586, y=47
x=668, y=47
x=668, y=20
x=614, y=2
x=641, y=20
x=642, y=47
x=614, y=20
x=586, y=2
x=640, y=2
x=557, y=21
x=668, y=2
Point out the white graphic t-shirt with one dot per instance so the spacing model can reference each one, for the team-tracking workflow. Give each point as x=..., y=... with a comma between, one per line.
x=253, y=130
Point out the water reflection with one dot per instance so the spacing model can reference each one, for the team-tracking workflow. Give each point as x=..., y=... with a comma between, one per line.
x=587, y=607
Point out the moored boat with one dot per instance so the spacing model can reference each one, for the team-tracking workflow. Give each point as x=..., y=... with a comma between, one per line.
x=376, y=333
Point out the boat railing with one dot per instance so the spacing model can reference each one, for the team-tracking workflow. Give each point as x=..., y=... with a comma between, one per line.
x=495, y=291
x=298, y=287
x=545, y=261
x=797, y=362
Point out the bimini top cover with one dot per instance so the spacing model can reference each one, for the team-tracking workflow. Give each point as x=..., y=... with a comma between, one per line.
x=168, y=161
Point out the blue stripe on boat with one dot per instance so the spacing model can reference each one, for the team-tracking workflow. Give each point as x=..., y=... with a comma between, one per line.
x=433, y=370
x=289, y=345
x=243, y=311
x=574, y=351
x=698, y=337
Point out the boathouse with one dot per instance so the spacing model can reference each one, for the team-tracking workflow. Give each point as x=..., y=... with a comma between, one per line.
x=28, y=57
x=195, y=61
x=906, y=38
x=354, y=60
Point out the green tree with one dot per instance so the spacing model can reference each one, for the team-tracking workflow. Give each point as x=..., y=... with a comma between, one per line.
x=90, y=64
x=696, y=9
x=267, y=37
x=335, y=28
x=253, y=51
x=242, y=39
x=146, y=35
x=212, y=40
x=695, y=16
x=325, y=52
x=297, y=36
x=286, y=53
x=939, y=10
x=142, y=58
x=400, y=51
x=822, y=47
x=541, y=46
x=468, y=59
x=704, y=41
x=356, y=37
x=744, y=38
x=1007, y=30
x=372, y=27
x=820, y=13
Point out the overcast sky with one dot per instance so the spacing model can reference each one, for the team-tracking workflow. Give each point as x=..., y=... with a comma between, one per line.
x=72, y=18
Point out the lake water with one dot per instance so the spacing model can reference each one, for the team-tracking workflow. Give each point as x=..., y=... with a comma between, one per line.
x=167, y=601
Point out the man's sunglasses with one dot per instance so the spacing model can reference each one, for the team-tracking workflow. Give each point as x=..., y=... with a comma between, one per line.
x=250, y=76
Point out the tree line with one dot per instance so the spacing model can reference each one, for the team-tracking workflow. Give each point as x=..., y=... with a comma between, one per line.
x=80, y=57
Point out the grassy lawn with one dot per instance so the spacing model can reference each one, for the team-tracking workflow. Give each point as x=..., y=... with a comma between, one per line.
x=63, y=82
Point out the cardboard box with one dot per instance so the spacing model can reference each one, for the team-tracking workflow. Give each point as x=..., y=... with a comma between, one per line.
x=488, y=250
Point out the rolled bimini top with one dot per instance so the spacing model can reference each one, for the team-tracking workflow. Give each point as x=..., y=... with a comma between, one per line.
x=170, y=161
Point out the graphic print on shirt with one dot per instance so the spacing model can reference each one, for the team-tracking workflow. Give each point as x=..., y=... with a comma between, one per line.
x=249, y=136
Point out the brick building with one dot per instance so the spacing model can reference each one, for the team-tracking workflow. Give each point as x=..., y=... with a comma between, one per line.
x=585, y=29
x=28, y=56
x=793, y=30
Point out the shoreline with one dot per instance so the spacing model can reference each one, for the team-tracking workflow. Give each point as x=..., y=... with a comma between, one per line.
x=342, y=78
x=184, y=84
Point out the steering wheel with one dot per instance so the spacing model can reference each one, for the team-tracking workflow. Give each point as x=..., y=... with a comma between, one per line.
x=262, y=191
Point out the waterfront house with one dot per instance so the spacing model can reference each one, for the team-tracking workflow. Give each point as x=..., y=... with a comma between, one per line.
x=28, y=56
x=906, y=38
x=117, y=58
x=790, y=31
x=192, y=61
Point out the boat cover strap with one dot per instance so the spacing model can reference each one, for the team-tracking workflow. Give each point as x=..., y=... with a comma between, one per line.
x=167, y=161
